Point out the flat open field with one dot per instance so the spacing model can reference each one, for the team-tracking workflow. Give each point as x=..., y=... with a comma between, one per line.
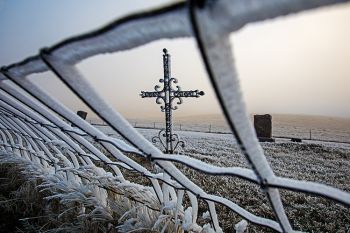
x=323, y=162
x=320, y=127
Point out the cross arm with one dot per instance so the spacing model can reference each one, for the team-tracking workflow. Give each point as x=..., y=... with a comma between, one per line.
x=149, y=94
x=186, y=94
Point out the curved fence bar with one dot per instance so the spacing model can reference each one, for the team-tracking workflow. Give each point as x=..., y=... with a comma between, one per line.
x=31, y=127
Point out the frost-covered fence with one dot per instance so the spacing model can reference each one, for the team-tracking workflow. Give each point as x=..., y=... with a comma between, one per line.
x=31, y=129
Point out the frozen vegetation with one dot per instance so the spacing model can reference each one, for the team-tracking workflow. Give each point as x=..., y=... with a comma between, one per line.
x=322, y=162
x=65, y=205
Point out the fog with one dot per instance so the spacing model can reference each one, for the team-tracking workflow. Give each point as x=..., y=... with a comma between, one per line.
x=296, y=65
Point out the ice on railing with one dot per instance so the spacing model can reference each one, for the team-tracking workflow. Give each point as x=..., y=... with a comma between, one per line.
x=29, y=66
x=124, y=146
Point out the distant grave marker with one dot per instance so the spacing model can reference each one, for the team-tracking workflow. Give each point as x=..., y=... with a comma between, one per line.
x=263, y=127
x=296, y=139
x=82, y=114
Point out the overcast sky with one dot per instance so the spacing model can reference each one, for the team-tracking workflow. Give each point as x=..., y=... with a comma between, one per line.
x=298, y=64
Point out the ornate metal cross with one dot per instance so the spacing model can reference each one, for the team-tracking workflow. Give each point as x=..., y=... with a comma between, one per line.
x=168, y=95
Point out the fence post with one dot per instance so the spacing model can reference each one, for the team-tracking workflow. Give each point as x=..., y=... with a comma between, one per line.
x=180, y=127
x=135, y=124
x=310, y=134
x=210, y=128
x=154, y=125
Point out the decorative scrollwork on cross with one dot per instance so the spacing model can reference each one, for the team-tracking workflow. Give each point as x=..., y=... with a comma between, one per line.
x=159, y=138
x=166, y=97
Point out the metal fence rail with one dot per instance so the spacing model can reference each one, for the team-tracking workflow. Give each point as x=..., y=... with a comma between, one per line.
x=31, y=127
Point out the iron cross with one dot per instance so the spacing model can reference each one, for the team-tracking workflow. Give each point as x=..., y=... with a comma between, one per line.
x=167, y=95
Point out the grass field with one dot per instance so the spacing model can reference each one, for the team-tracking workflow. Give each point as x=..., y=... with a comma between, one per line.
x=283, y=125
x=318, y=161
x=323, y=162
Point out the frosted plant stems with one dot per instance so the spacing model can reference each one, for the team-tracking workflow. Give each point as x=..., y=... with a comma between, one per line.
x=56, y=106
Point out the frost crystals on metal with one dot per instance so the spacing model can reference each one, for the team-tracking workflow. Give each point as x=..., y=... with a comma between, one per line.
x=168, y=95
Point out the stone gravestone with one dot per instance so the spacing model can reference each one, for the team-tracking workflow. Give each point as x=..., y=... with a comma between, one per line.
x=263, y=127
x=82, y=114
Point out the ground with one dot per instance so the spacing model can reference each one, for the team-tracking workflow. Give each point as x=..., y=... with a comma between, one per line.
x=322, y=162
